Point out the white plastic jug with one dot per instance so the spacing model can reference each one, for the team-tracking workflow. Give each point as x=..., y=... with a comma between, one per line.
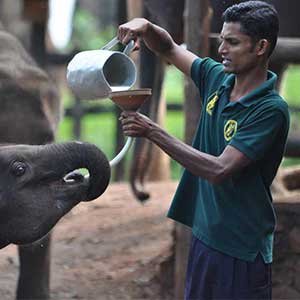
x=96, y=73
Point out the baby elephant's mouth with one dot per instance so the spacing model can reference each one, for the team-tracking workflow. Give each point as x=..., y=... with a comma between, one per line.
x=73, y=177
x=67, y=184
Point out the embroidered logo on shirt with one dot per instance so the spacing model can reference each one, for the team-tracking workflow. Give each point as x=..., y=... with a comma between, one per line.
x=211, y=103
x=230, y=129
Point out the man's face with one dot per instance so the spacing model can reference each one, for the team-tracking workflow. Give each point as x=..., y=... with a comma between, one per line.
x=236, y=49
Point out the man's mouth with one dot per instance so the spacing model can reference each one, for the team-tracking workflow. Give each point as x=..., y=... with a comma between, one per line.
x=226, y=61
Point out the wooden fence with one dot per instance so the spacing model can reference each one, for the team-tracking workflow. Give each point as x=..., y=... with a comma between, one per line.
x=80, y=109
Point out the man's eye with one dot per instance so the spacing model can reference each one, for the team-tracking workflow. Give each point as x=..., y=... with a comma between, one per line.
x=233, y=42
x=18, y=168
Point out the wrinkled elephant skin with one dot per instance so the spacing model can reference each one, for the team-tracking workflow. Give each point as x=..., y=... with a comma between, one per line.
x=36, y=191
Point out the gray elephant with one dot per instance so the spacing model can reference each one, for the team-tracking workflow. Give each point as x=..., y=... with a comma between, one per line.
x=33, y=193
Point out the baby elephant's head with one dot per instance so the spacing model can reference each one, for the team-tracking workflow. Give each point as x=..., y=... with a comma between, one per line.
x=38, y=186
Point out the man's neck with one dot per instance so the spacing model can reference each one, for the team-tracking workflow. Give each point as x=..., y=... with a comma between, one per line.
x=245, y=83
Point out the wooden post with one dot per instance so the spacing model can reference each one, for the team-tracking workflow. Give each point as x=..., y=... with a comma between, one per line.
x=160, y=171
x=134, y=9
x=37, y=45
x=120, y=167
x=293, y=146
x=77, y=114
x=197, y=19
x=35, y=10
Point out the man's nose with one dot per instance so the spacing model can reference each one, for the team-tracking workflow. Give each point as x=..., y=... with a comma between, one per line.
x=222, y=48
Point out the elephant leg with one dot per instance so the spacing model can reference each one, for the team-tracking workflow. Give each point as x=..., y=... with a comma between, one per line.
x=34, y=274
x=152, y=74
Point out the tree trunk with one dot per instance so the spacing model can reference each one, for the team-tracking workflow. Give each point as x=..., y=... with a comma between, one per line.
x=159, y=169
x=293, y=146
x=134, y=9
x=197, y=20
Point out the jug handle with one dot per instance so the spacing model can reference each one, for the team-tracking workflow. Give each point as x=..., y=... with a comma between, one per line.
x=129, y=47
x=115, y=41
x=110, y=44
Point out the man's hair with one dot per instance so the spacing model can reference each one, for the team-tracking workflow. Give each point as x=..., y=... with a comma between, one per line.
x=258, y=19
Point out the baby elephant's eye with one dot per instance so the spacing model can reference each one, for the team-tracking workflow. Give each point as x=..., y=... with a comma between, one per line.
x=18, y=168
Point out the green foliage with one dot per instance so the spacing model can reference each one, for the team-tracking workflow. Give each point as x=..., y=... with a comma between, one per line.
x=174, y=85
x=290, y=89
x=288, y=162
x=86, y=34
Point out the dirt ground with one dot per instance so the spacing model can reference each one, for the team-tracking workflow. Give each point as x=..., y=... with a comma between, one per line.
x=106, y=249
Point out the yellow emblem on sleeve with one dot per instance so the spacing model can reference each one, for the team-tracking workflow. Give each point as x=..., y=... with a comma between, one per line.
x=230, y=129
x=211, y=103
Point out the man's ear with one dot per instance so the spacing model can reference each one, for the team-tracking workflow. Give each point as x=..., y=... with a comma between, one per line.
x=262, y=47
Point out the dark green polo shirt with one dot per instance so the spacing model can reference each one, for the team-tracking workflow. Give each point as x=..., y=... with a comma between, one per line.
x=236, y=216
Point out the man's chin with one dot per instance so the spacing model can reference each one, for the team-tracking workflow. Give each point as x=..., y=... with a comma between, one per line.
x=227, y=70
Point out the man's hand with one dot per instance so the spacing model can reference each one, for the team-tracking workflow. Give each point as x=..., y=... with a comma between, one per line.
x=132, y=30
x=156, y=38
x=136, y=125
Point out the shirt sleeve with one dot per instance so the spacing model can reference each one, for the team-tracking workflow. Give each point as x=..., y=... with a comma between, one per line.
x=207, y=75
x=256, y=137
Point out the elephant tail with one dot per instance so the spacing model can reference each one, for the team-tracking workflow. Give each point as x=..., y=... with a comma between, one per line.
x=139, y=193
x=139, y=169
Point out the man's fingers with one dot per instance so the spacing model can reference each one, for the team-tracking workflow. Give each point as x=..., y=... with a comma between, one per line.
x=129, y=131
x=126, y=114
x=128, y=37
x=128, y=120
x=125, y=35
x=121, y=34
x=128, y=127
x=130, y=116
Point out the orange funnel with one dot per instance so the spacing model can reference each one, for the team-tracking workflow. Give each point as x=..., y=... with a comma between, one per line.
x=130, y=100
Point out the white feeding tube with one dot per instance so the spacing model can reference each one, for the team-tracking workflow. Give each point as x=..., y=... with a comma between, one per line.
x=122, y=153
x=119, y=156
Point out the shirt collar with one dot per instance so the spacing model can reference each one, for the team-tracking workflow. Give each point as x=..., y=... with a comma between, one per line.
x=255, y=95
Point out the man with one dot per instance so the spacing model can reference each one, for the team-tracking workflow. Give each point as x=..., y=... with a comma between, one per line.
x=224, y=193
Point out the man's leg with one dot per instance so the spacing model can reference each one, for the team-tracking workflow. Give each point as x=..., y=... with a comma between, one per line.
x=199, y=278
x=214, y=275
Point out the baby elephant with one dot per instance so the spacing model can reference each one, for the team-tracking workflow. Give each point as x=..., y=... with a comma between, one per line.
x=33, y=193
x=37, y=188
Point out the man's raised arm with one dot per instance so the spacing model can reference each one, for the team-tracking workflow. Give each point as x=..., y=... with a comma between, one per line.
x=157, y=40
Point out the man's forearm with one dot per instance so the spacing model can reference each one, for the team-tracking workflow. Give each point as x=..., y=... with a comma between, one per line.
x=210, y=167
x=198, y=163
x=158, y=40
